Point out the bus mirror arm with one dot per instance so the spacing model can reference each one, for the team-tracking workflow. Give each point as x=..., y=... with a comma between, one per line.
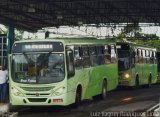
x=70, y=74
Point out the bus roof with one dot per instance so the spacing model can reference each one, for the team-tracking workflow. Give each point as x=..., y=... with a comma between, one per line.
x=69, y=41
x=138, y=46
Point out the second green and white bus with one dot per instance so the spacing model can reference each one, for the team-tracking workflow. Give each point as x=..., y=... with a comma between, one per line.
x=61, y=71
x=137, y=65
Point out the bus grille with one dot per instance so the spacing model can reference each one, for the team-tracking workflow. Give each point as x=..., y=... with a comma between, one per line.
x=41, y=94
x=37, y=99
x=37, y=88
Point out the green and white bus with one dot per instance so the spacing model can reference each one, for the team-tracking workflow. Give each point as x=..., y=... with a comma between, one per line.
x=158, y=65
x=137, y=65
x=61, y=71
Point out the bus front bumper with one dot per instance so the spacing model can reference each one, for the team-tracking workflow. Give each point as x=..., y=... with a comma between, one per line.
x=38, y=101
x=124, y=83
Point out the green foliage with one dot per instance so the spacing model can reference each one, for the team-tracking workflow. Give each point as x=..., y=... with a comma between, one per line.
x=121, y=35
x=4, y=30
x=46, y=34
x=19, y=34
x=132, y=30
x=150, y=36
x=153, y=43
x=132, y=33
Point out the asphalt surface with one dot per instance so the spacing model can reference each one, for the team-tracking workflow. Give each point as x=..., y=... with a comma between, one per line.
x=119, y=100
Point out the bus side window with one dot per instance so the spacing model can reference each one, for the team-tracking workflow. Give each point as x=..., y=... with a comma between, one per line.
x=155, y=59
x=70, y=63
x=137, y=56
x=152, y=57
x=77, y=57
x=107, y=54
x=93, y=55
x=113, y=54
x=86, y=58
x=133, y=57
x=147, y=56
x=144, y=56
x=141, y=56
x=100, y=55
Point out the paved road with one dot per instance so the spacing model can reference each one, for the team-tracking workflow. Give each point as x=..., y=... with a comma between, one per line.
x=122, y=99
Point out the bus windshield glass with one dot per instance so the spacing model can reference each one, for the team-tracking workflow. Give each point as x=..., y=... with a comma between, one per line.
x=38, y=68
x=124, y=60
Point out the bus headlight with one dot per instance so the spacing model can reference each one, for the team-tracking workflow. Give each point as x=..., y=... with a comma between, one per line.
x=59, y=91
x=16, y=92
x=126, y=76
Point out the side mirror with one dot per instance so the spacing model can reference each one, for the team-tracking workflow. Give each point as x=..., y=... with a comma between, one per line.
x=70, y=63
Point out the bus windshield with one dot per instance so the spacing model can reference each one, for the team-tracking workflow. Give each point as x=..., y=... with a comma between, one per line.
x=38, y=68
x=124, y=60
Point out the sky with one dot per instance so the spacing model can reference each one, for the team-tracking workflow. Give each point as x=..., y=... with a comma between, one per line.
x=85, y=31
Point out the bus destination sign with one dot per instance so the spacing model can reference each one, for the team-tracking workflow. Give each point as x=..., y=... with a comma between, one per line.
x=41, y=46
x=38, y=47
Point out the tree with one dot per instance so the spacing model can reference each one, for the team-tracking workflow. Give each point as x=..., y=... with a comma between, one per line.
x=132, y=30
x=19, y=34
x=3, y=29
x=150, y=36
x=121, y=35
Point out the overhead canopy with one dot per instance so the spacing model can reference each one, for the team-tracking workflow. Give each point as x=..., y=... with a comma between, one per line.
x=32, y=15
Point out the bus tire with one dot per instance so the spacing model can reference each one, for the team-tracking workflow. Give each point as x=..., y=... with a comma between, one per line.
x=149, y=81
x=103, y=94
x=137, y=85
x=78, y=96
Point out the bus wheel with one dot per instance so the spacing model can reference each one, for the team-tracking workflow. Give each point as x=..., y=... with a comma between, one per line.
x=149, y=81
x=137, y=82
x=78, y=97
x=104, y=90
